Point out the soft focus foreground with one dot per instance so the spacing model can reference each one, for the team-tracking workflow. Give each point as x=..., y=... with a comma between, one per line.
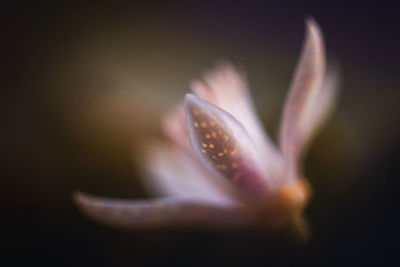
x=235, y=175
x=85, y=87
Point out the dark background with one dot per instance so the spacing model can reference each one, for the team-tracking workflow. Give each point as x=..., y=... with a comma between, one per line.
x=83, y=85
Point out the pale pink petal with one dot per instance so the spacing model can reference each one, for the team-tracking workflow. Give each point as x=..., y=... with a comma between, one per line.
x=303, y=92
x=160, y=212
x=226, y=88
x=171, y=172
x=321, y=108
x=225, y=148
x=174, y=128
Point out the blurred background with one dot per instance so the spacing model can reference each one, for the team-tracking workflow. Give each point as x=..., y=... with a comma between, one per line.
x=84, y=86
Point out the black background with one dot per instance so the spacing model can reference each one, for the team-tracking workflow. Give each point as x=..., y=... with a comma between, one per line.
x=353, y=214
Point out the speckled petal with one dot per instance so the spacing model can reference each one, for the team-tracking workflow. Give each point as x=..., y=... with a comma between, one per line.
x=227, y=88
x=171, y=172
x=224, y=147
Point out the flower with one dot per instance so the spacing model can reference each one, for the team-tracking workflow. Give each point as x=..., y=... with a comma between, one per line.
x=218, y=166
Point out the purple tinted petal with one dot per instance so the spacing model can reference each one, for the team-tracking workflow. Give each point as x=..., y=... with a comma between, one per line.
x=160, y=212
x=303, y=91
x=224, y=147
x=227, y=88
x=172, y=172
x=321, y=108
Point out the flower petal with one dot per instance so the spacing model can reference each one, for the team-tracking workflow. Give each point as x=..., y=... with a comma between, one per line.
x=303, y=92
x=322, y=106
x=174, y=128
x=224, y=147
x=171, y=172
x=160, y=212
x=226, y=88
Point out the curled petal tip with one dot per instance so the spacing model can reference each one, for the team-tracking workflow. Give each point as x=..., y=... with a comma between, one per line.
x=84, y=201
x=304, y=89
x=313, y=31
x=78, y=197
x=188, y=99
x=310, y=20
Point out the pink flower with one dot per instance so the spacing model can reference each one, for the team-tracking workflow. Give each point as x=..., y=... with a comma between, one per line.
x=218, y=166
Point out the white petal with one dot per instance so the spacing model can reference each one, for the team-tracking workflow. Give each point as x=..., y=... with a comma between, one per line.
x=171, y=172
x=224, y=147
x=303, y=92
x=226, y=88
x=160, y=212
